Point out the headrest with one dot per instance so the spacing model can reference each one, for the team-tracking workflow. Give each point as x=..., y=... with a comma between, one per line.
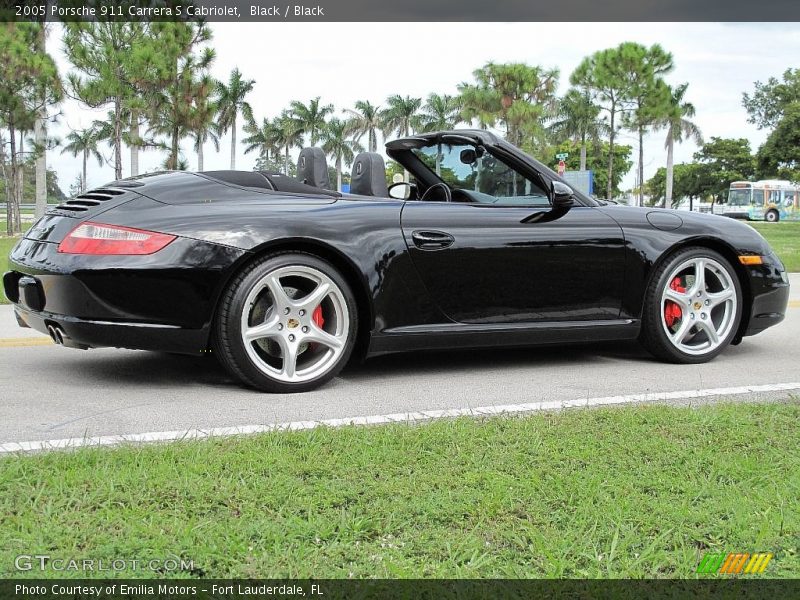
x=312, y=168
x=369, y=176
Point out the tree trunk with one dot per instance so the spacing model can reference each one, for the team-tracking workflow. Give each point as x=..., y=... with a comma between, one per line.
x=406, y=174
x=40, y=135
x=174, y=149
x=233, y=143
x=641, y=166
x=117, y=138
x=12, y=182
x=200, y=153
x=583, y=152
x=668, y=192
x=41, y=163
x=286, y=161
x=339, y=174
x=7, y=180
x=373, y=141
x=85, y=160
x=610, y=183
x=134, y=143
x=20, y=184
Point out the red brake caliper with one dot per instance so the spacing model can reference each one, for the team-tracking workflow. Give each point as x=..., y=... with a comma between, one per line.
x=319, y=321
x=317, y=317
x=673, y=312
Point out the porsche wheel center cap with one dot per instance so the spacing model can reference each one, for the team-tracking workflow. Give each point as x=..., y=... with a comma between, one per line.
x=292, y=323
x=697, y=306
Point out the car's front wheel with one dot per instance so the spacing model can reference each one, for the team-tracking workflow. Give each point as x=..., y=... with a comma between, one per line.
x=287, y=323
x=692, y=307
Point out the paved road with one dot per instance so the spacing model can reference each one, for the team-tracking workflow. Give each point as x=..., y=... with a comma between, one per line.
x=50, y=392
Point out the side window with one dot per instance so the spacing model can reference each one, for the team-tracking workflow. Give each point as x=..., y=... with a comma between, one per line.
x=486, y=179
x=496, y=179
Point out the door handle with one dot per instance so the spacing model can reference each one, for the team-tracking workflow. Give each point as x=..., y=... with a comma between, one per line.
x=432, y=240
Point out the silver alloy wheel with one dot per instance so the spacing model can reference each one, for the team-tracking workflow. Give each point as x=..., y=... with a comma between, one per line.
x=707, y=305
x=279, y=313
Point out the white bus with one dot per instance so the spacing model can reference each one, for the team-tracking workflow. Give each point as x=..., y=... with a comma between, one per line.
x=770, y=200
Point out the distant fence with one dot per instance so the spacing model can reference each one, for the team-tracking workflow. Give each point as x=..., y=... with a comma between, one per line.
x=28, y=207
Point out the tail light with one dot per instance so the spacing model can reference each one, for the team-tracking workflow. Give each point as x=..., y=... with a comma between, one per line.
x=99, y=238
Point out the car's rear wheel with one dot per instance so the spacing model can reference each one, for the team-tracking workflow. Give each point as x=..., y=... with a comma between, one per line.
x=692, y=307
x=287, y=323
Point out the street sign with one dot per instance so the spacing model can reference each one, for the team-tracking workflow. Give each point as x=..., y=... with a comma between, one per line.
x=562, y=155
x=582, y=181
x=562, y=166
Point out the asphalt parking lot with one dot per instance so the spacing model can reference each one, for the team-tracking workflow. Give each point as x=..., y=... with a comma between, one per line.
x=51, y=392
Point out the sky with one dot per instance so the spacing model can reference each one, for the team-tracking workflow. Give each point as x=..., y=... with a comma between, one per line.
x=345, y=62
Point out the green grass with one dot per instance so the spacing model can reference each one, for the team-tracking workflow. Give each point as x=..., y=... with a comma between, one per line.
x=621, y=492
x=6, y=243
x=785, y=240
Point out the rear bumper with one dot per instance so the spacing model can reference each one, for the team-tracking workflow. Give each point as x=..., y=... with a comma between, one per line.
x=85, y=333
x=164, y=301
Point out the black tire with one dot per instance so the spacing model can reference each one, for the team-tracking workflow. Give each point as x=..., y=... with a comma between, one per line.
x=772, y=216
x=227, y=342
x=653, y=336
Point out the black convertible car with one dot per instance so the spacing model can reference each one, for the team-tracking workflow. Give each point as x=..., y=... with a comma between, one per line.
x=285, y=280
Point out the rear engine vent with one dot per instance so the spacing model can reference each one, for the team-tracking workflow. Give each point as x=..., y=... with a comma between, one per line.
x=89, y=199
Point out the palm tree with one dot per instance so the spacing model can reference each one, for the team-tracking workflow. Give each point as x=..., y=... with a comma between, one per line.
x=518, y=95
x=288, y=136
x=83, y=142
x=676, y=121
x=310, y=119
x=337, y=144
x=401, y=115
x=264, y=139
x=365, y=119
x=440, y=112
x=202, y=127
x=40, y=126
x=231, y=101
x=578, y=119
x=133, y=110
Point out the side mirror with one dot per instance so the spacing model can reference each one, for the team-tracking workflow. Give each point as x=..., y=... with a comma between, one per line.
x=563, y=198
x=468, y=156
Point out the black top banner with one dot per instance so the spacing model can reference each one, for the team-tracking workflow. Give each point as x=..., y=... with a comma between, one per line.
x=403, y=10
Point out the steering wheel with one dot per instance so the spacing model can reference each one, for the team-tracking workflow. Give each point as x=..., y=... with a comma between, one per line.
x=448, y=195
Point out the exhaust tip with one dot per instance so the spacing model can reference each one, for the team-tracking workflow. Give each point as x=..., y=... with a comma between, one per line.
x=55, y=334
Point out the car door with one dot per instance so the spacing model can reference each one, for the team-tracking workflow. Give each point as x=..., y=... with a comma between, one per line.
x=482, y=263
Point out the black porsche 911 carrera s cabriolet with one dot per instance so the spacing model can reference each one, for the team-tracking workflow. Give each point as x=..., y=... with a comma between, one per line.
x=283, y=280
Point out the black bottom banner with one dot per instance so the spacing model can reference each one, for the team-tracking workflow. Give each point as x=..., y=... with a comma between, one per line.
x=386, y=589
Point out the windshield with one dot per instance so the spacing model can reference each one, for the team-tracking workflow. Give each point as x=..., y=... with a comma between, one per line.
x=462, y=166
x=739, y=197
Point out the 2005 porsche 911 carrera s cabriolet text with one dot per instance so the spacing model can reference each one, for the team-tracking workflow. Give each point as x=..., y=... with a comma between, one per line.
x=284, y=280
